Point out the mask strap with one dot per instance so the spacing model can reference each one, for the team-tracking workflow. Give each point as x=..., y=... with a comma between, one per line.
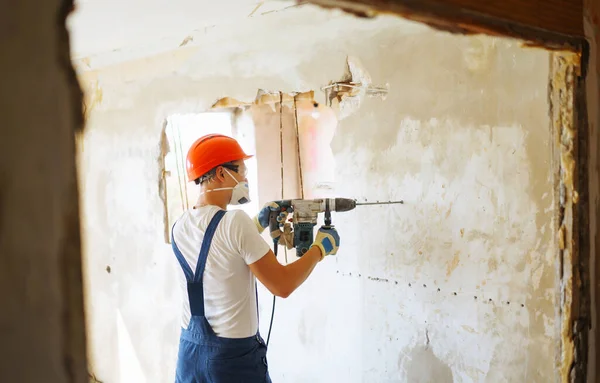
x=230, y=188
x=208, y=191
x=237, y=182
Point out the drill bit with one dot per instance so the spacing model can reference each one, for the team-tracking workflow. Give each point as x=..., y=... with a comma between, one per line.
x=380, y=203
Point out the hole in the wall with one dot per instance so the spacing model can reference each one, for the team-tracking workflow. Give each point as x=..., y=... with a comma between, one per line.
x=180, y=131
x=262, y=128
x=295, y=134
x=438, y=289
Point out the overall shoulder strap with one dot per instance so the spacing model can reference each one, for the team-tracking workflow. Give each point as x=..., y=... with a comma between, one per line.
x=187, y=270
x=195, y=287
x=206, y=242
x=194, y=280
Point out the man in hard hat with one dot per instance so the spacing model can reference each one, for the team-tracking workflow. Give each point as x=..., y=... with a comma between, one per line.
x=221, y=252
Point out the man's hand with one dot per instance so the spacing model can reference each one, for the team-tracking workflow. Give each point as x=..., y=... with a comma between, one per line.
x=328, y=241
x=262, y=218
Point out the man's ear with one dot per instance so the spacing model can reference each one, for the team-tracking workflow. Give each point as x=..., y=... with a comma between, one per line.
x=220, y=174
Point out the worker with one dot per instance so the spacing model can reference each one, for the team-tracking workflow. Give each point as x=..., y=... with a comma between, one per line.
x=221, y=254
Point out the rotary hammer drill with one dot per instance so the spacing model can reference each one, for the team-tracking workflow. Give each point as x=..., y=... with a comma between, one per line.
x=305, y=212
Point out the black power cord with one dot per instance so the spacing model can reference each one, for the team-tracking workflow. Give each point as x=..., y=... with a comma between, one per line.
x=273, y=309
x=271, y=324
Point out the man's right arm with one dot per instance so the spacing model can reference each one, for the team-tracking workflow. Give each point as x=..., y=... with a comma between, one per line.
x=282, y=280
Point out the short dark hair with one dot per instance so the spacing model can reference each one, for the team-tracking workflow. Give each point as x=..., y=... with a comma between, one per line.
x=213, y=172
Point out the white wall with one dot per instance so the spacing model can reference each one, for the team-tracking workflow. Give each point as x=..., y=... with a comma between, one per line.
x=463, y=138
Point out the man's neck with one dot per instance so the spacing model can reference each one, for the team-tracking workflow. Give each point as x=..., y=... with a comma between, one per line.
x=215, y=198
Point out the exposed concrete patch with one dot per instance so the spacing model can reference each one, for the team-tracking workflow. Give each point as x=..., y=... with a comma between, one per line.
x=353, y=88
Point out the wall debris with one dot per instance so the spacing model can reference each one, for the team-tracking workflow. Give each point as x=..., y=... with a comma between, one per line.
x=351, y=90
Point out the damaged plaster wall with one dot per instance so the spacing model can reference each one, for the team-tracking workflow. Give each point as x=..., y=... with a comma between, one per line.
x=457, y=284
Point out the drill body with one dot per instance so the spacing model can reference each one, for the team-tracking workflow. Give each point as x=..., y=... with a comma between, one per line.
x=305, y=215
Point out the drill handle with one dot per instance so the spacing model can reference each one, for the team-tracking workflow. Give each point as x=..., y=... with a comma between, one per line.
x=274, y=229
x=327, y=214
x=274, y=223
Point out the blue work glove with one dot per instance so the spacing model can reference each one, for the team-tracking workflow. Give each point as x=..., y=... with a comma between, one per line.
x=262, y=218
x=328, y=240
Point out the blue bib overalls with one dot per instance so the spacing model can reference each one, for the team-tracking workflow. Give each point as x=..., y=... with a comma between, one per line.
x=204, y=356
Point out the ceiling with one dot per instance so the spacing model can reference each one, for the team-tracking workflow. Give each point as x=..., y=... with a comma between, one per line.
x=104, y=27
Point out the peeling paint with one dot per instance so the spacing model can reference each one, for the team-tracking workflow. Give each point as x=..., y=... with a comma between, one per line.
x=353, y=88
x=186, y=41
x=452, y=265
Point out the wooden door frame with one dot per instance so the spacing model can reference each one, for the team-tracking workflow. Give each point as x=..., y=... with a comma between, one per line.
x=550, y=25
x=569, y=130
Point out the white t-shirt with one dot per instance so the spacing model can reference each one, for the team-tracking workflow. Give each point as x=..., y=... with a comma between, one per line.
x=229, y=285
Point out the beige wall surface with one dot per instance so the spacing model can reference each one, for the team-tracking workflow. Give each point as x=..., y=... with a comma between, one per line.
x=457, y=283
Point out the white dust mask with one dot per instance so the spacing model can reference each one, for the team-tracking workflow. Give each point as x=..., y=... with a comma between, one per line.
x=241, y=191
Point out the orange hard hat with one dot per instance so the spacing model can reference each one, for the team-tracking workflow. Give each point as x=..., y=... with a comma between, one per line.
x=210, y=151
